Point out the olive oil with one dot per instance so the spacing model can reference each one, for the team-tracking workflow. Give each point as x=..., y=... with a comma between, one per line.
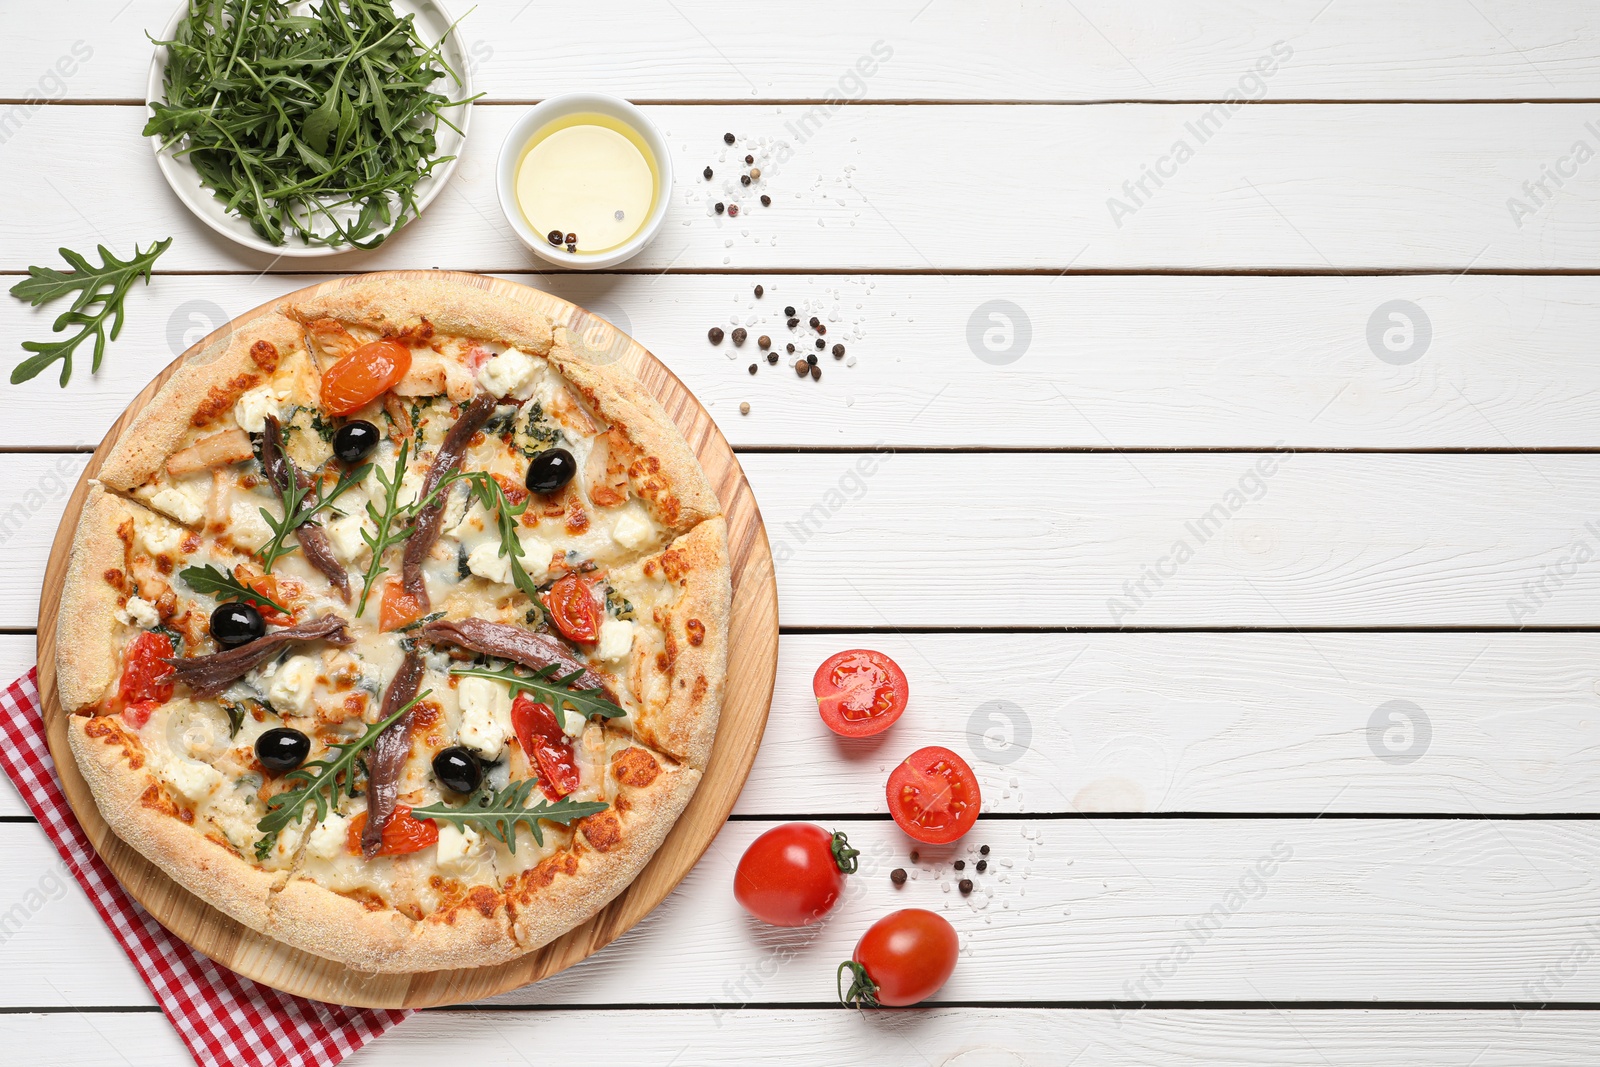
x=590, y=175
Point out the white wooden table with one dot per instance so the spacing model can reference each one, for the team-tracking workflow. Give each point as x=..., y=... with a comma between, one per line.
x=1337, y=322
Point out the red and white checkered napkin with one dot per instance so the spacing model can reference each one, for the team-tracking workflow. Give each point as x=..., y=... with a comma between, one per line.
x=224, y=1018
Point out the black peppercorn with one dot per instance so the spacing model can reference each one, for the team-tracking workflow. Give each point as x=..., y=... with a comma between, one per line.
x=913, y=855
x=960, y=865
x=821, y=344
x=739, y=335
x=790, y=347
x=793, y=323
x=965, y=885
x=727, y=138
x=707, y=173
x=749, y=159
x=752, y=368
x=838, y=351
x=554, y=237
x=822, y=327
x=772, y=357
x=789, y=311
x=766, y=201
x=814, y=321
x=898, y=876
x=572, y=238
x=984, y=851
x=715, y=333
x=816, y=373
x=759, y=292
x=744, y=179
x=811, y=361
x=983, y=865
x=721, y=207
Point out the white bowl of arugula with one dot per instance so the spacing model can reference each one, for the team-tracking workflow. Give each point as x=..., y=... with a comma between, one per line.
x=303, y=129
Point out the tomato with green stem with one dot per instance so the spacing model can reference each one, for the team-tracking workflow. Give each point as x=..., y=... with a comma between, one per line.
x=934, y=796
x=860, y=692
x=902, y=959
x=793, y=874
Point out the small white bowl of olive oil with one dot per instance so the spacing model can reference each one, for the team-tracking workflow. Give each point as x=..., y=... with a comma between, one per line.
x=585, y=179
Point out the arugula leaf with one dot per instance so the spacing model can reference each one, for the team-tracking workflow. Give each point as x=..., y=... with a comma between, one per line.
x=101, y=291
x=319, y=780
x=223, y=586
x=498, y=813
x=494, y=499
x=296, y=512
x=556, y=691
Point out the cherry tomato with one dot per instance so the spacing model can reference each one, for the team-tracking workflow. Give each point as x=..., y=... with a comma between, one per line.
x=399, y=607
x=933, y=795
x=267, y=586
x=401, y=834
x=860, y=692
x=792, y=874
x=146, y=681
x=573, y=610
x=363, y=376
x=902, y=959
x=545, y=746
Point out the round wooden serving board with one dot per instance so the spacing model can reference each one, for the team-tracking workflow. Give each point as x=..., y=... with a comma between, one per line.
x=752, y=667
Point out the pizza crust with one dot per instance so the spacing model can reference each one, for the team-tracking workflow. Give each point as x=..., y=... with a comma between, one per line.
x=136, y=806
x=86, y=624
x=569, y=887
x=393, y=305
x=206, y=384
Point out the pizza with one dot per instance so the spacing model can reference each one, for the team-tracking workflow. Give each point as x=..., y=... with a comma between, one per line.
x=395, y=626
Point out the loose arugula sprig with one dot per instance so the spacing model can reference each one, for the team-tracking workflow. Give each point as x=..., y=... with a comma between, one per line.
x=319, y=125
x=296, y=512
x=224, y=586
x=320, y=780
x=498, y=813
x=104, y=286
x=556, y=691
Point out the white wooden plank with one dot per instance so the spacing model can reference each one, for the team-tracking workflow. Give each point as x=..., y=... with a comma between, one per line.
x=1493, y=723
x=1291, y=909
x=1172, y=539
x=1230, y=361
x=950, y=1037
x=1497, y=723
x=1209, y=722
x=1087, y=50
x=1018, y=539
x=935, y=188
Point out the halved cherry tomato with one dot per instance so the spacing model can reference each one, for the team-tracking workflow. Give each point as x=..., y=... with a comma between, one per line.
x=399, y=607
x=363, y=376
x=401, y=834
x=933, y=795
x=545, y=746
x=146, y=681
x=267, y=586
x=860, y=692
x=573, y=610
x=793, y=874
x=902, y=959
